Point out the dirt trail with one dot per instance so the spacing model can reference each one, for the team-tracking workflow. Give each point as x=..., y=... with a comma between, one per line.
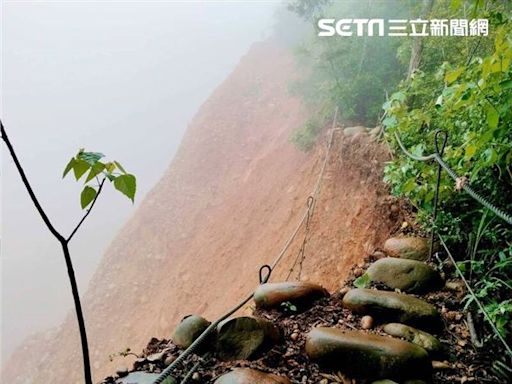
x=225, y=206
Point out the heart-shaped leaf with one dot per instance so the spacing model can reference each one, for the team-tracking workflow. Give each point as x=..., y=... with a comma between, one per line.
x=127, y=185
x=87, y=196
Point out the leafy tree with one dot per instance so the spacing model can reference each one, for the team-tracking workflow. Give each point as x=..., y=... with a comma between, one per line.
x=96, y=173
x=464, y=87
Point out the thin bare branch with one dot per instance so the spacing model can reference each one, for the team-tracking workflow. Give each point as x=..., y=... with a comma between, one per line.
x=87, y=212
x=28, y=187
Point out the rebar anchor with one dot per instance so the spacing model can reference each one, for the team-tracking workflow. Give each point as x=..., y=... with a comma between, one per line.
x=439, y=154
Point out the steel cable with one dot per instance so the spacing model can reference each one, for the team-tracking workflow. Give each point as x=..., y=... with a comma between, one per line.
x=470, y=191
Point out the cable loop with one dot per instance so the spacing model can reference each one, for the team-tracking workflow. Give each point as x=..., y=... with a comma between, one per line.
x=436, y=141
x=264, y=279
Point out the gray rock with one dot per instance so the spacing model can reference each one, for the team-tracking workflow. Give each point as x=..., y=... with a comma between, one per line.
x=188, y=330
x=415, y=248
x=241, y=338
x=144, y=378
x=406, y=275
x=301, y=294
x=391, y=306
x=366, y=355
x=250, y=376
x=425, y=340
x=157, y=357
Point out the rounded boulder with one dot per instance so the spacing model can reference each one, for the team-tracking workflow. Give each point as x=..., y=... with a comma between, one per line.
x=188, y=330
x=366, y=355
x=300, y=294
x=407, y=275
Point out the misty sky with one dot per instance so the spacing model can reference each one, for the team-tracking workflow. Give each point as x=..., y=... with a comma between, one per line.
x=122, y=78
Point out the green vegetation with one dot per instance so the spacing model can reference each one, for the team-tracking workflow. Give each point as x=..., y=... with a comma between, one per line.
x=362, y=281
x=462, y=85
x=305, y=137
x=89, y=162
x=288, y=307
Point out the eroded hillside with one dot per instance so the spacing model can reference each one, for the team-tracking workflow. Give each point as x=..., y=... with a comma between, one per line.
x=225, y=206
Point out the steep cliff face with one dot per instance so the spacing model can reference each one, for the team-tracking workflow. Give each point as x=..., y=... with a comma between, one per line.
x=225, y=206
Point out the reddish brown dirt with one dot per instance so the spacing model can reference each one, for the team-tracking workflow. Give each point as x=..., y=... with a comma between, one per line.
x=226, y=205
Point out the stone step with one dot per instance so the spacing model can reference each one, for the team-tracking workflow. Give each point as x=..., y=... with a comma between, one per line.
x=241, y=338
x=143, y=378
x=392, y=306
x=407, y=275
x=188, y=330
x=425, y=340
x=300, y=294
x=366, y=355
x=250, y=376
x=415, y=248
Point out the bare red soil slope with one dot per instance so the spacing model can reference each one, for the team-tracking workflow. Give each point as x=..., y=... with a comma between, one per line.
x=226, y=205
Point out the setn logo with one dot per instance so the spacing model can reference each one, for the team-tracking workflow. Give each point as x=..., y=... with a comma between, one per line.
x=403, y=27
x=344, y=27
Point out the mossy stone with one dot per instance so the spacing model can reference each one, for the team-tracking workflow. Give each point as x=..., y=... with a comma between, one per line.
x=300, y=294
x=425, y=340
x=392, y=306
x=242, y=338
x=407, y=275
x=415, y=248
x=366, y=355
x=189, y=330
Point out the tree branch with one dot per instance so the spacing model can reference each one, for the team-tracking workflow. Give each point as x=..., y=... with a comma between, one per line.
x=28, y=187
x=87, y=213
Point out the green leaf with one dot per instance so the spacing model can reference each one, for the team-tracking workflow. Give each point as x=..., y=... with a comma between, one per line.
x=399, y=96
x=69, y=167
x=118, y=165
x=490, y=156
x=80, y=167
x=90, y=157
x=506, y=84
x=362, y=281
x=87, y=196
x=127, y=185
x=451, y=76
x=390, y=122
x=493, y=117
x=409, y=186
x=95, y=170
x=470, y=151
x=110, y=167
